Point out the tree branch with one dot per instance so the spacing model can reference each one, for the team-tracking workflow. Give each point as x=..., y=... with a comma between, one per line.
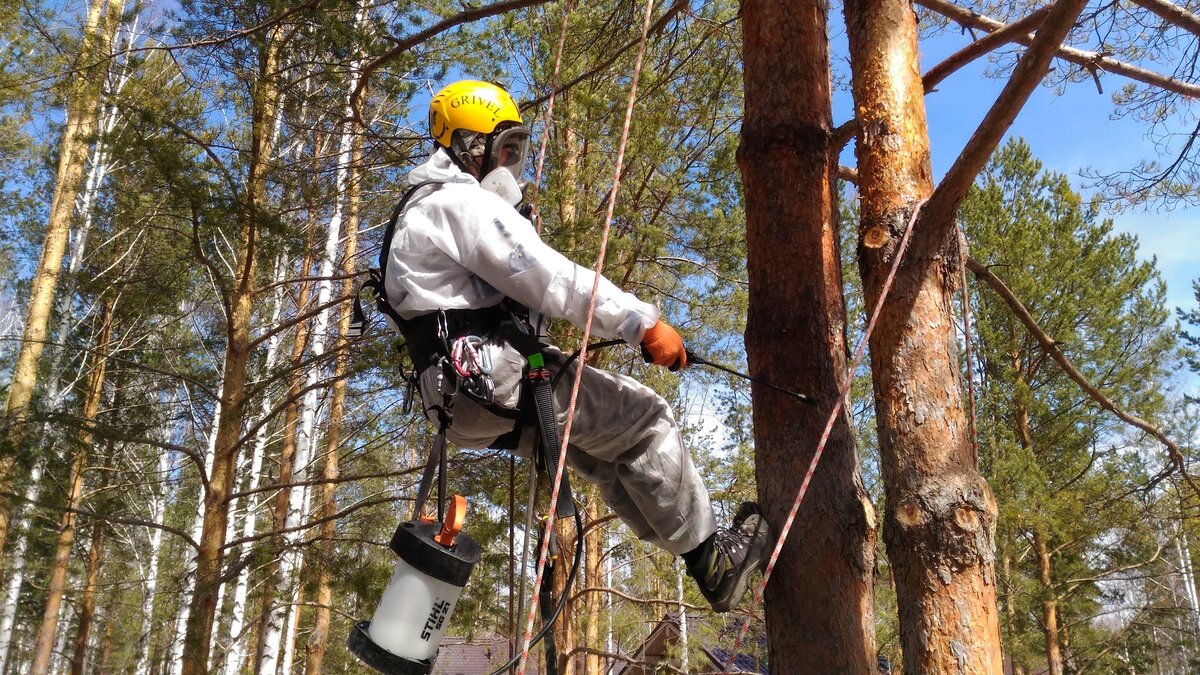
x=1172, y=14
x=1051, y=347
x=405, y=44
x=1027, y=74
x=1090, y=60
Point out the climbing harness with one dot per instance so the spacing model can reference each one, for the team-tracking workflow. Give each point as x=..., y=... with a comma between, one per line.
x=457, y=344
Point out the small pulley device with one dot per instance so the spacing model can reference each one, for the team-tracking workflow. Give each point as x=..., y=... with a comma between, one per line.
x=435, y=562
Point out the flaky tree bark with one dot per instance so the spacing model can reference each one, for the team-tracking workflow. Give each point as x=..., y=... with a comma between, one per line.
x=264, y=104
x=57, y=583
x=83, y=104
x=564, y=627
x=940, y=512
x=819, y=602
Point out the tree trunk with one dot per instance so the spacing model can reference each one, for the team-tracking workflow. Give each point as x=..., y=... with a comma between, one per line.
x=87, y=611
x=183, y=611
x=819, y=602
x=56, y=585
x=82, y=112
x=1049, y=606
x=318, y=639
x=158, y=512
x=267, y=647
x=564, y=627
x=593, y=603
x=236, y=653
x=17, y=563
x=265, y=103
x=940, y=512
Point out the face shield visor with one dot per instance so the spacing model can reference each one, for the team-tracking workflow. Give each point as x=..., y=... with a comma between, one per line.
x=505, y=163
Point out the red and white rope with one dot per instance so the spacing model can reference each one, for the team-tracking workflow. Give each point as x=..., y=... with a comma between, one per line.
x=837, y=408
x=587, y=331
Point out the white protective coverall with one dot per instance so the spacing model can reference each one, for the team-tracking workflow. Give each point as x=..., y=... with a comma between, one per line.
x=459, y=246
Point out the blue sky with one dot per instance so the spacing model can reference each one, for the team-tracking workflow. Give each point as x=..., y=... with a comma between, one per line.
x=1068, y=133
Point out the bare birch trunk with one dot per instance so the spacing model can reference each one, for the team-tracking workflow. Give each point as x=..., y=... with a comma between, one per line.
x=264, y=103
x=87, y=611
x=56, y=585
x=236, y=654
x=318, y=639
x=82, y=112
x=266, y=653
x=819, y=606
x=158, y=511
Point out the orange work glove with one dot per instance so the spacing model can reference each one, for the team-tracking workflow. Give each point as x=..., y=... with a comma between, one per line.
x=662, y=346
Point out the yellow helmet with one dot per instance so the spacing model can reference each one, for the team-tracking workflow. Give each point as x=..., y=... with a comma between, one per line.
x=479, y=125
x=469, y=106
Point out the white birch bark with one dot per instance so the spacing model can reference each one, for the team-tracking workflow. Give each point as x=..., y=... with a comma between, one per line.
x=293, y=609
x=12, y=592
x=189, y=579
x=158, y=511
x=236, y=652
x=1189, y=579
x=306, y=443
x=683, y=618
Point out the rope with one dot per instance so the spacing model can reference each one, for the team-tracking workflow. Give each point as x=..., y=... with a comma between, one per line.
x=541, y=160
x=837, y=408
x=966, y=311
x=587, y=331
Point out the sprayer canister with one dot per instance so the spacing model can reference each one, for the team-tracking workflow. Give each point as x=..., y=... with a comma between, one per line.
x=420, y=597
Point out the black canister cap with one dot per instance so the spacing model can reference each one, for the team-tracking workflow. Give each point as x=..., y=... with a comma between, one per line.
x=413, y=542
x=360, y=644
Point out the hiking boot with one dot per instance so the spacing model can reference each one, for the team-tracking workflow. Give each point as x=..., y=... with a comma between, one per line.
x=723, y=566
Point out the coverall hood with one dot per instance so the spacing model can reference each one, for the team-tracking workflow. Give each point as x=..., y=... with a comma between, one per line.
x=441, y=168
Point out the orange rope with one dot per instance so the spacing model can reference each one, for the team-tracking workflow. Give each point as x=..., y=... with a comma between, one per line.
x=587, y=331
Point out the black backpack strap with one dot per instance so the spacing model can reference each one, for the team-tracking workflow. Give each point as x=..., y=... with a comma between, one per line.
x=375, y=278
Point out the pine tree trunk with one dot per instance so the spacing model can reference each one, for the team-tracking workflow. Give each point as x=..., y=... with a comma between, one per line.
x=87, y=611
x=819, y=602
x=593, y=603
x=83, y=102
x=1049, y=606
x=318, y=639
x=564, y=627
x=266, y=650
x=940, y=512
x=183, y=611
x=56, y=585
x=265, y=103
x=236, y=654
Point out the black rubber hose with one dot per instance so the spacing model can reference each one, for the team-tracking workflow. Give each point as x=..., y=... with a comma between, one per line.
x=562, y=602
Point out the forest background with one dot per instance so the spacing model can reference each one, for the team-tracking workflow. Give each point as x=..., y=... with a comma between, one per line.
x=200, y=472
